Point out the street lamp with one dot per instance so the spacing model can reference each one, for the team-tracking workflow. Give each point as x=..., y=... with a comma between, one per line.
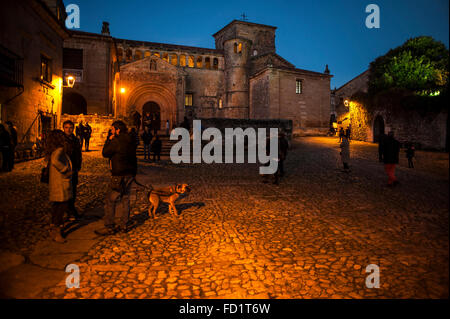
x=70, y=80
x=122, y=90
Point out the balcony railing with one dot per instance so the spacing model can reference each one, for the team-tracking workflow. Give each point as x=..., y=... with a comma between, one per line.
x=11, y=68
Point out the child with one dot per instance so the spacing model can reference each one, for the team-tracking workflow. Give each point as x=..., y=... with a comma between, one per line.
x=410, y=154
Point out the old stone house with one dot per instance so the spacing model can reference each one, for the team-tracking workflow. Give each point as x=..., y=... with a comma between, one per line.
x=427, y=130
x=31, y=57
x=241, y=78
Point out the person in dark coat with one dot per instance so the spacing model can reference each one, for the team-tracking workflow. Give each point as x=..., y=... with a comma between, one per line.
x=147, y=139
x=410, y=152
x=137, y=120
x=341, y=134
x=5, y=147
x=134, y=136
x=345, y=153
x=348, y=132
x=381, y=139
x=283, y=147
x=120, y=148
x=75, y=155
x=156, y=148
x=13, y=135
x=87, y=132
x=147, y=121
x=390, y=152
x=79, y=132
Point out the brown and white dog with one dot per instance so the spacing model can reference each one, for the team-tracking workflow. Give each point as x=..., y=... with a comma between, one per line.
x=169, y=195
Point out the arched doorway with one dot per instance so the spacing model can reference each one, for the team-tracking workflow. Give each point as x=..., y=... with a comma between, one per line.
x=155, y=113
x=378, y=128
x=73, y=103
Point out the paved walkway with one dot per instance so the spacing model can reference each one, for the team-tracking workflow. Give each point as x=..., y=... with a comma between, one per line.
x=310, y=237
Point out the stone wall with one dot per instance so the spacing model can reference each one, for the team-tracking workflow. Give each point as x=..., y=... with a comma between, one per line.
x=100, y=125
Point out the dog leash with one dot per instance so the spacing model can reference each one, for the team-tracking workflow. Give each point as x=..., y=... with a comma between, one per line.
x=144, y=186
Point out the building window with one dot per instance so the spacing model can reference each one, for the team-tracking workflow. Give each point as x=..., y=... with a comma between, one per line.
x=73, y=58
x=156, y=54
x=182, y=60
x=174, y=59
x=165, y=57
x=299, y=86
x=207, y=63
x=191, y=61
x=220, y=104
x=137, y=55
x=199, y=62
x=216, y=64
x=46, y=69
x=147, y=54
x=188, y=99
x=239, y=48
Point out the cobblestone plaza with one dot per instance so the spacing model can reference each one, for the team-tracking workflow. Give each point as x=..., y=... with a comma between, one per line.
x=311, y=236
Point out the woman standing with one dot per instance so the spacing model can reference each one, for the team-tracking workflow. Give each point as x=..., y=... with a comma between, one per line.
x=60, y=181
x=345, y=152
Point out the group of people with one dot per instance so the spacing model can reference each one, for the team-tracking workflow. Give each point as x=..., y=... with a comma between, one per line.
x=388, y=154
x=344, y=133
x=63, y=157
x=8, y=143
x=84, y=132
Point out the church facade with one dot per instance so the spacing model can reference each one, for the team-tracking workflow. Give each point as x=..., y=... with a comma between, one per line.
x=241, y=78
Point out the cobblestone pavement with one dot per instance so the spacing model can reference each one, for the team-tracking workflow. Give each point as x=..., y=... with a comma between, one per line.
x=310, y=237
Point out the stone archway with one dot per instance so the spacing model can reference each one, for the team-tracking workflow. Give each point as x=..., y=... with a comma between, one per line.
x=73, y=103
x=158, y=94
x=378, y=128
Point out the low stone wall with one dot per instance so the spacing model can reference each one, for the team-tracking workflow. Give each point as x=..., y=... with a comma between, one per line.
x=221, y=124
x=100, y=125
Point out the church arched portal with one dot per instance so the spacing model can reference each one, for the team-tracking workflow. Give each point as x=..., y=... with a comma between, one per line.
x=154, y=111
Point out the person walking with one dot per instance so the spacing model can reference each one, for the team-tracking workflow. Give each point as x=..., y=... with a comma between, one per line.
x=12, y=150
x=79, y=132
x=87, y=132
x=120, y=148
x=410, y=152
x=75, y=155
x=167, y=127
x=341, y=134
x=348, y=131
x=147, y=139
x=137, y=121
x=345, y=153
x=5, y=146
x=283, y=147
x=60, y=181
x=390, y=151
x=156, y=148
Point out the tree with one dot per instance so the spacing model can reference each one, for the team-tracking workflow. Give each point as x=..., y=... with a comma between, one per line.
x=420, y=65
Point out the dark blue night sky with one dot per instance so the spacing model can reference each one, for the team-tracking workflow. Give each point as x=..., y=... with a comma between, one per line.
x=310, y=34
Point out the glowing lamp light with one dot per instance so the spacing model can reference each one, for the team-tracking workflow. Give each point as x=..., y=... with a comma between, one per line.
x=70, y=80
x=346, y=102
x=122, y=90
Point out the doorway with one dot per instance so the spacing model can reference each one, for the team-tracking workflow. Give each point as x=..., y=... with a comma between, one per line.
x=378, y=128
x=155, y=114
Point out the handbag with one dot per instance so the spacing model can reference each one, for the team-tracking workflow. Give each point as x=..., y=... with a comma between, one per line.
x=45, y=174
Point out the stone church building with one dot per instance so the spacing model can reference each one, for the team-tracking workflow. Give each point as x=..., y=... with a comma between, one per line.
x=241, y=78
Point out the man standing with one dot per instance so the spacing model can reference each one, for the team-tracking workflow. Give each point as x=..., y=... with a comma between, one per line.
x=13, y=135
x=80, y=133
x=147, y=139
x=137, y=120
x=87, y=136
x=74, y=152
x=390, y=149
x=121, y=151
